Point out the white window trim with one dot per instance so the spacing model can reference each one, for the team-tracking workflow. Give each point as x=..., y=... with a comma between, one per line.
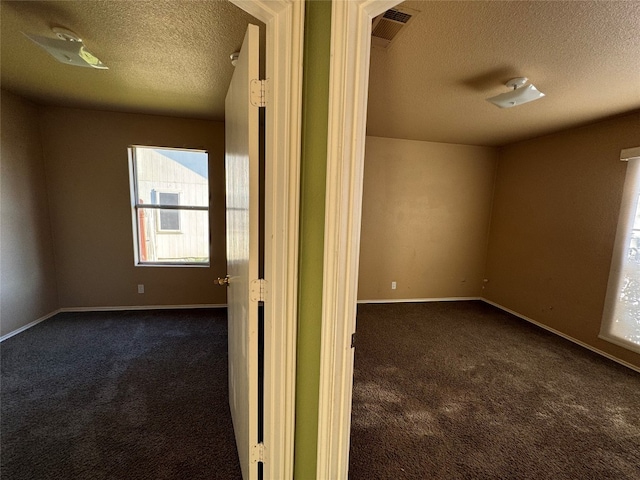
x=136, y=206
x=626, y=216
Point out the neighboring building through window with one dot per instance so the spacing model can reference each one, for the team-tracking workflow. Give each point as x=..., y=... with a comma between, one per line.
x=621, y=321
x=170, y=205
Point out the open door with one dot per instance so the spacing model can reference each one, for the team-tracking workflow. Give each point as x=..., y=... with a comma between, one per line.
x=244, y=288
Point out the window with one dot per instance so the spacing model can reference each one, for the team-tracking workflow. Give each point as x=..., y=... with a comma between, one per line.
x=621, y=321
x=170, y=206
x=169, y=219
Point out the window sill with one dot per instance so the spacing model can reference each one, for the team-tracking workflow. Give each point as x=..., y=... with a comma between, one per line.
x=620, y=342
x=165, y=264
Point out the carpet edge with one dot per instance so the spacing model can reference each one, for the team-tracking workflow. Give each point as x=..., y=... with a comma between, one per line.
x=563, y=335
x=28, y=325
x=107, y=309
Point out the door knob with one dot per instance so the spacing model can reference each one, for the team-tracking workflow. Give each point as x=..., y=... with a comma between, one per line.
x=223, y=281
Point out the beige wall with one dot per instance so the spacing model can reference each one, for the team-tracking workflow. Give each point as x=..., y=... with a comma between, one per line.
x=27, y=274
x=553, y=227
x=425, y=219
x=88, y=180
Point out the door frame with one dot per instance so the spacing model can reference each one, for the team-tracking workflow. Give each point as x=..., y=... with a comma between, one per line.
x=348, y=97
x=284, y=45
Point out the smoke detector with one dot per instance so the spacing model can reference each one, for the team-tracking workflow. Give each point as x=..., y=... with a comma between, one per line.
x=386, y=28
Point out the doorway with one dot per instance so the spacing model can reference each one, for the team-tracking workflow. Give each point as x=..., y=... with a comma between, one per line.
x=284, y=21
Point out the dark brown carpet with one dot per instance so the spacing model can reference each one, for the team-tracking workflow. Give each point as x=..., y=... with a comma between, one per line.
x=462, y=390
x=118, y=395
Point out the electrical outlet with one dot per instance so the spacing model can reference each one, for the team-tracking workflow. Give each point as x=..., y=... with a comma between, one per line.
x=140, y=288
x=393, y=285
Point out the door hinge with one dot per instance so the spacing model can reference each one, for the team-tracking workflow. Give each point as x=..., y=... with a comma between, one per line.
x=258, y=290
x=259, y=93
x=257, y=453
x=353, y=340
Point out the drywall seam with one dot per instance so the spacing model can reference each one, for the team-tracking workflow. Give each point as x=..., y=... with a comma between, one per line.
x=563, y=335
x=107, y=309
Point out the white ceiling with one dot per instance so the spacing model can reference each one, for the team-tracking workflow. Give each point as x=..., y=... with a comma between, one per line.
x=172, y=58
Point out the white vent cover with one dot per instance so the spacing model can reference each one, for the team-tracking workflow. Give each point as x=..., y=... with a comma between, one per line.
x=386, y=27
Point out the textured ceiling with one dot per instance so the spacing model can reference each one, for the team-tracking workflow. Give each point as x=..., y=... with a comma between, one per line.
x=431, y=84
x=172, y=58
x=164, y=57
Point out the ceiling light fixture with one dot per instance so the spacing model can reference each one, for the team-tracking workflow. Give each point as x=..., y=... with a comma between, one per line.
x=68, y=48
x=519, y=95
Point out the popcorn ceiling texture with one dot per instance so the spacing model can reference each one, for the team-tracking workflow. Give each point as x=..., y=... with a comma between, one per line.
x=432, y=83
x=172, y=58
x=164, y=57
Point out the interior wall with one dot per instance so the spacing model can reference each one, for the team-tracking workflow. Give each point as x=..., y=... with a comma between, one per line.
x=27, y=274
x=313, y=166
x=554, y=222
x=425, y=219
x=88, y=179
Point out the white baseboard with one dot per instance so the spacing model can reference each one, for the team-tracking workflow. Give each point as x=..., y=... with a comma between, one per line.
x=523, y=317
x=142, y=307
x=29, y=325
x=406, y=300
x=108, y=309
x=420, y=300
x=565, y=336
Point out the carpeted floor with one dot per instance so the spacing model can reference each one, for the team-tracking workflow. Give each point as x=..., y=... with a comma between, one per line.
x=462, y=390
x=118, y=395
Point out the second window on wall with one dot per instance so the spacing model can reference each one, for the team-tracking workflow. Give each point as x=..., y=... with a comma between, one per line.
x=621, y=319
x=170, y=206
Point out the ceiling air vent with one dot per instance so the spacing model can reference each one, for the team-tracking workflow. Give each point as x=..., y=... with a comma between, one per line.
x=386, y=27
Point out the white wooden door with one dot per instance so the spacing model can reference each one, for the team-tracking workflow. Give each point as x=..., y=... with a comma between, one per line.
x=242, y=203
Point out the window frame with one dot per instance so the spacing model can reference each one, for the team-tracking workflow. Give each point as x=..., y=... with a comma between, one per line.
x=136, y=208
x=626, y=218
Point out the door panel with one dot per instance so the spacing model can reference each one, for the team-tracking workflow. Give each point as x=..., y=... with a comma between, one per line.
x=242, y=203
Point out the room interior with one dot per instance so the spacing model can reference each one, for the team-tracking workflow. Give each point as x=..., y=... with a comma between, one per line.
x=466, y=200
x=351, y=196
x=89, y=117
x=553, y=162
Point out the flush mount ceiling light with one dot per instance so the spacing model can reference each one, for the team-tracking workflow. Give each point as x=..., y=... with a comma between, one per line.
x=518, y=95
x=68, y=48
